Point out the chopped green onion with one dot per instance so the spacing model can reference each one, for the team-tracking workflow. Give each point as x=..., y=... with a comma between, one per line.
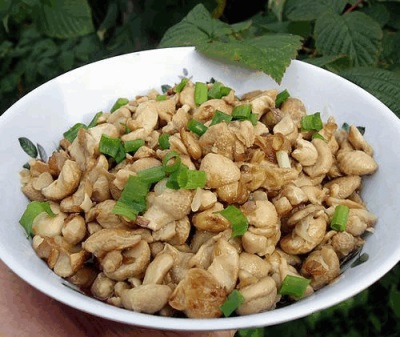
x=165, y=88
x=163, y=140
x=200, y=93
x=181, y=85
x=294, y=286
x=191, y=179
x=197, y=127
x=241, y=112
x=281, y=97
x=283, y=160
x=218, y=90
x=339, y=219
x=112, y=147
x=312, y=122
x=237, y=219
x=253, y=119
x=33, y=209
x=96, y=117
x=133, y=145
x=220, y=116
x=172, y=167
x=317, y=135
x=152, y=175
x=172, y=181
x=73, y=131
x=234, y=301
x=133, y=198
x=161, y=97
x=120, y=102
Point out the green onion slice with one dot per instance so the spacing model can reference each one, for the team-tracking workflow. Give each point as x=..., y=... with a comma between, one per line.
x=152, y=175
x=112, y=147
x=312, y=122
x=281, y=97
x=197, y=127
x=218, y=90
x=133, y=145
x=169, y=168
x=200, y=93
x=237, y=219
x=339, y=219
x=181, y=85
x=234, y=300
x=73, y=131
x=294, y=286
x=161, y=97
x=241, y=112
x=317, y=135
x=253, y=119
x=33, y=209
x=220, y=116
x=120, y=102
x=163, y=141
x=96, y=117
x=191, y=179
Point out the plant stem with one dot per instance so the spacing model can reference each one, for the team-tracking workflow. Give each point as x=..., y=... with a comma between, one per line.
x=353, y=7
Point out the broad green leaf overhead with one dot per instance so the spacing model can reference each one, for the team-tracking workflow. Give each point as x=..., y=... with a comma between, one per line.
x=354, y=34
x=307, y=10
x=65, y=19
x=383, y=84
x=196, y=28
x=270, y=53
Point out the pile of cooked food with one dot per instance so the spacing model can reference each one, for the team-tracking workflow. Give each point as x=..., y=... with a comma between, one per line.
x=196, y=203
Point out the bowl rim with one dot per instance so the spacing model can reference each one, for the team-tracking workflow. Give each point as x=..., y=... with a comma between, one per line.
x=107, y=311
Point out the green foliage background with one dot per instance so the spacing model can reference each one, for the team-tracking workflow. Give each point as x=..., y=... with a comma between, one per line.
x=359, y=40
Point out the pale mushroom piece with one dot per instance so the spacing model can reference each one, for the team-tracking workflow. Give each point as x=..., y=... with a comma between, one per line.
x=322, y=266
x=179, y=120
x=102, y=287
x=258, y=297
x=263, y=102
x=254, y=265
x=233, y=193
x=180, y=265
x=287, y=127
x=182, y=231
x=165, y=233
x=343, y=243
x=295, y=108
x=80, y=200
x=210, y=220
x=84, y=149
x=102, y=213
x=74, y=229
x=111, y=261
x=135, y=260
x=261, y=214
x=220, y=170
x=119, y=117
x=168, y=206
x=218, y=139
x=149, y=298
x=198, y=295
x=109, y=239
x=202, y=200
x=356, y=163
x=243, y=131
x=305, y=152
x=66, y=183
x=206, y=110
x=46, y=225
x=186, y=96
x=158, y=268
x=225, y=264
x=358, y=141
x=191, y=143
x=324, y=159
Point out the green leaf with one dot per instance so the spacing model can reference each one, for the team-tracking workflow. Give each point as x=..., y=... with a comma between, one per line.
x=378, y=12
x=383, y=84
x=65, y=19
x=277, y=6
x=354, y=34
x=252, y=332
x=196, y=28
x=270, y=53
x=307, y=10
x=394, y=301
x=28, y=147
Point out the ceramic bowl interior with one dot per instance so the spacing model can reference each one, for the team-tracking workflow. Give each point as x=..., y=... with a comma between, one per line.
x=45, y=113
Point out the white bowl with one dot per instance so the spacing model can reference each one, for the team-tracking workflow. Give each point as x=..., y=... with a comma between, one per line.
x=45, y=113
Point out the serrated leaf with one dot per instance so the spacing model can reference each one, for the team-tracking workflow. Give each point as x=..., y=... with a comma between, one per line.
x=28, y=147
x=378, y=12
x=65, y=19
x=383, y=84
x=354, y=34
x=270, y=53
x=196, y=28
x=307, y=10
